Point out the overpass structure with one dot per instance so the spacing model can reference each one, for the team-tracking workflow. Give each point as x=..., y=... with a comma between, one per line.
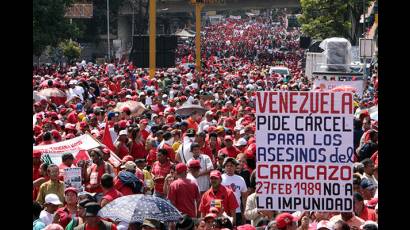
x=177, y=6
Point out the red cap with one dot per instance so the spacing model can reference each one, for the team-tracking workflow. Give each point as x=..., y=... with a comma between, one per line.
x=194, y=164
x=246, y=227
x=170, y=119
x=210, y=215
x=180, y=168
x=71, y=189
x=127, y=158
x=228, y=137
x=122, y=124
x=215, y=173
x=126, y=109
x=144, y=121
x=69, y=136
x=284, y=219
x=36, y=154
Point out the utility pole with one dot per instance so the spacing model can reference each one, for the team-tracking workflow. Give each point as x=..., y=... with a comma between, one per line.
x=152, y=36
x=108, y=30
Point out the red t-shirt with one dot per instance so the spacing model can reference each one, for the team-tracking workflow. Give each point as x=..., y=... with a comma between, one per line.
x=138, y=150
x=185, y=203
x=368, y=214
x=170, y=151
x=144, y=134
x=95, y=177
x=87, y=227
x=36, y=172
x=125, y=190
x=159, y=170
x=231, y=151
x=112, y=195
x=152, y=157
x=224, y=195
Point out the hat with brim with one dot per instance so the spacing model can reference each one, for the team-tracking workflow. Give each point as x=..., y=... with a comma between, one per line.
x=151, y=223
x=91, y=209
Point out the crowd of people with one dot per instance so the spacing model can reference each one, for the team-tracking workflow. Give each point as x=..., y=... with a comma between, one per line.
x=202, y=163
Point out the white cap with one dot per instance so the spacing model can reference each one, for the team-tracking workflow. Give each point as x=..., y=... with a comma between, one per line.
x=52, y=199
x=73, y=82
x=128, y=96
x=242, y=132
x=164, y=96
x=241, y=142
x=325, y=224
x=123, y=132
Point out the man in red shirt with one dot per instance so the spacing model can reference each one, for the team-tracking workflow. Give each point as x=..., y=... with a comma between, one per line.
x=361, y=210
x=229, y=150
x=110, y=193
x=160, y=170
x=36, y=164
x=191, y=198
x=218, y=196
x=67, y=162
x=143, y=131
x=65, y=214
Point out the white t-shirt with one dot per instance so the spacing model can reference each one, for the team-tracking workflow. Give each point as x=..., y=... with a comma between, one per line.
x=186, y=155
x=204, y=123
x=46, y=217
x=237, y=184
x=193, y=179
x=206, y=165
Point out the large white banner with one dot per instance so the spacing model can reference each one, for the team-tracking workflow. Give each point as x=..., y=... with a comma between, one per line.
x=77, y=146
x=304, y=151
x=329, y=85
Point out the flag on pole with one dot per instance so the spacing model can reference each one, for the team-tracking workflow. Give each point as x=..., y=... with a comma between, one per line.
x=106, y=138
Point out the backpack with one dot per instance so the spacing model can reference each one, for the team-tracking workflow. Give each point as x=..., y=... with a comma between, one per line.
x=130, y=180
x=367, y=150
x=102, y=225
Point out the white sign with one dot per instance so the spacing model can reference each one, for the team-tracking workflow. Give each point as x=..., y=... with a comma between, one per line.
x=235, y=17
x=77, y=146
x=304, y=151
x=72, y=178
x=329, y=85
x=366, y=47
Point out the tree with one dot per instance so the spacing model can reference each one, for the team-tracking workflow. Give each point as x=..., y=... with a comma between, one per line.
x=70, y=49
x=50, y=26
x=321, y=19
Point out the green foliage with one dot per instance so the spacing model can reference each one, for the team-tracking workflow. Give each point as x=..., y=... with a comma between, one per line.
x=321, y=19
x=70, y=49
x=49, y=25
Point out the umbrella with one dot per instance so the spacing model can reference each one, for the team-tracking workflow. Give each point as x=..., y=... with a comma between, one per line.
x=136, y=208
x=188, y=109
x=343, y=88
x=37, y=97
x=55, y=95
x=136, y=108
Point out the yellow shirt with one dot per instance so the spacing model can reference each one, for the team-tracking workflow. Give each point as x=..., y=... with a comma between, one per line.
x=148, y=179
x=50, y=187
x=176, y=145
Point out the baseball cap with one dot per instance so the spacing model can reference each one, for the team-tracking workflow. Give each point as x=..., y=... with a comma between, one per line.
x=324, y=224
x=71, y=189
x=241, y=142
x=284, y=219
x=190, y=132
x=228, y=137
x=127, y=158
x=52, y=199
x=210, y=215
x=122, y=124
x=194, y=164
x=91, y=209
x=151, y=223
x=230, y=159
x=180, y=168
x=144, y=121
x=123, y=132
x=129, y=165
x=215, y=174
x=367, y=184
x=246, y=227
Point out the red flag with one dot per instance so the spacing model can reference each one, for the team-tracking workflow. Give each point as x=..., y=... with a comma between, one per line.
x=106, y=139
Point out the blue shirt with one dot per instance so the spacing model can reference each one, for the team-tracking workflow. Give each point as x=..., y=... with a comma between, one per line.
x=38, y=225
